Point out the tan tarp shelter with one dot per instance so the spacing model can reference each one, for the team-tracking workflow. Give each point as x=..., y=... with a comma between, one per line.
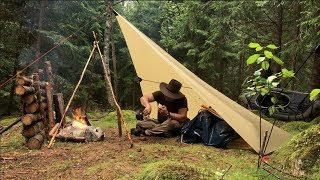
x=154, y=65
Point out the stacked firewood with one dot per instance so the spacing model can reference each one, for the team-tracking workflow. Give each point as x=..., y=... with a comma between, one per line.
x=34, y=103
x=42, y=109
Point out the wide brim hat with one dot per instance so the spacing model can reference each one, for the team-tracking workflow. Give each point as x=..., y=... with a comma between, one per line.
x=171, y=90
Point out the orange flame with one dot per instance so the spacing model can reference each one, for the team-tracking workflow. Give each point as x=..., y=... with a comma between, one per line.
x=77, y=115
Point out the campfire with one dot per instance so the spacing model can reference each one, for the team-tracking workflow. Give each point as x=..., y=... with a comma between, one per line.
x=80, y=129
x=79, y=117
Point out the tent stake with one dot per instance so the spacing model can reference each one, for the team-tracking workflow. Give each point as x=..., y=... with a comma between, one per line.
x=262, y=148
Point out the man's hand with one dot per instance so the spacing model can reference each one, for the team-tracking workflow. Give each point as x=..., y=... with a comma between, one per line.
x=145, y=101
x=162, y=109
x=147, y=110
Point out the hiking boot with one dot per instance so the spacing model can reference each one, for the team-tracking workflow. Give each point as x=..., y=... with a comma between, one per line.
x=136, y=131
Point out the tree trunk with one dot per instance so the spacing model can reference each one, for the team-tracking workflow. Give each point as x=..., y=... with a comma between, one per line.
x=315, y=78
x=297, y=42
x=241, y=68
x=59, y=107
x=106, y=53
x=115, y=73
x=38, y=43
x=221, y=75
x=115, y=78
x=275, y=67
x=49, y=92
x=49, y=75
x=50, y=105
x=11, y=100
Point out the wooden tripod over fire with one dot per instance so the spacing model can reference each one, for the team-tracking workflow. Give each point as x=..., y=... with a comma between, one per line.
x=108, y=82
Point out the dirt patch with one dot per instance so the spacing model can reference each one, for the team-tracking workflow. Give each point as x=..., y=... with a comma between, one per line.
x=109, y=159
x=113, y=159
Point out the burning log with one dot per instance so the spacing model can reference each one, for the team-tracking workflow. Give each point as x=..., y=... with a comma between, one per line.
x=81, y=133
x=32, y=130
x=28, y=99
x=36, y=141
x=24, y=81
x=22, y=90
x=28, y=119
x=77, y=115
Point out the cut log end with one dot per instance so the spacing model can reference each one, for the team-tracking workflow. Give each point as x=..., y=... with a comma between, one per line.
x=28, y=99
x=21, y=90
x=30, y=118
x=36, y=141
x=24, y=81
x=32, y=108
x=32, y=130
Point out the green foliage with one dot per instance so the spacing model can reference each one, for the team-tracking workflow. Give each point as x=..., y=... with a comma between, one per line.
x=209, y=38
x=314, y=93
x=265, y=86
x=252, y=59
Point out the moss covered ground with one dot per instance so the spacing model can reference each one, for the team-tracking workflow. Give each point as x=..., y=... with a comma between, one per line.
x=153, y=157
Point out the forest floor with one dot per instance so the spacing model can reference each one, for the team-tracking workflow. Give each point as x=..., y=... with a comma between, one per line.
x=150, y=158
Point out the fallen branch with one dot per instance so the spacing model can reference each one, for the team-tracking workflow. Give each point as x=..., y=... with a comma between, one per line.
x=8, y=158
x=8, y=127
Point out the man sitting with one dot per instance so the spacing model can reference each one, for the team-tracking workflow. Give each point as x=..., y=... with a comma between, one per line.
x=172, y=111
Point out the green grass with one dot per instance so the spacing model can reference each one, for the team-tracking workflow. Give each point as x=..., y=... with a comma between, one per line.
x=7, y=121
x=63, y=165
x=109, y=120
x=167, y=159
x=96, y=168
x=303, y=146
x=12, y=139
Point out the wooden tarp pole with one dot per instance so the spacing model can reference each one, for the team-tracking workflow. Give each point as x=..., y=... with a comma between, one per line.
x=72, y=96
x=10, y=126
x=113, y=96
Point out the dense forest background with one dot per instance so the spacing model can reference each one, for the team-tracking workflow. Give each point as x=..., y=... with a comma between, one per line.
x=209, y=37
